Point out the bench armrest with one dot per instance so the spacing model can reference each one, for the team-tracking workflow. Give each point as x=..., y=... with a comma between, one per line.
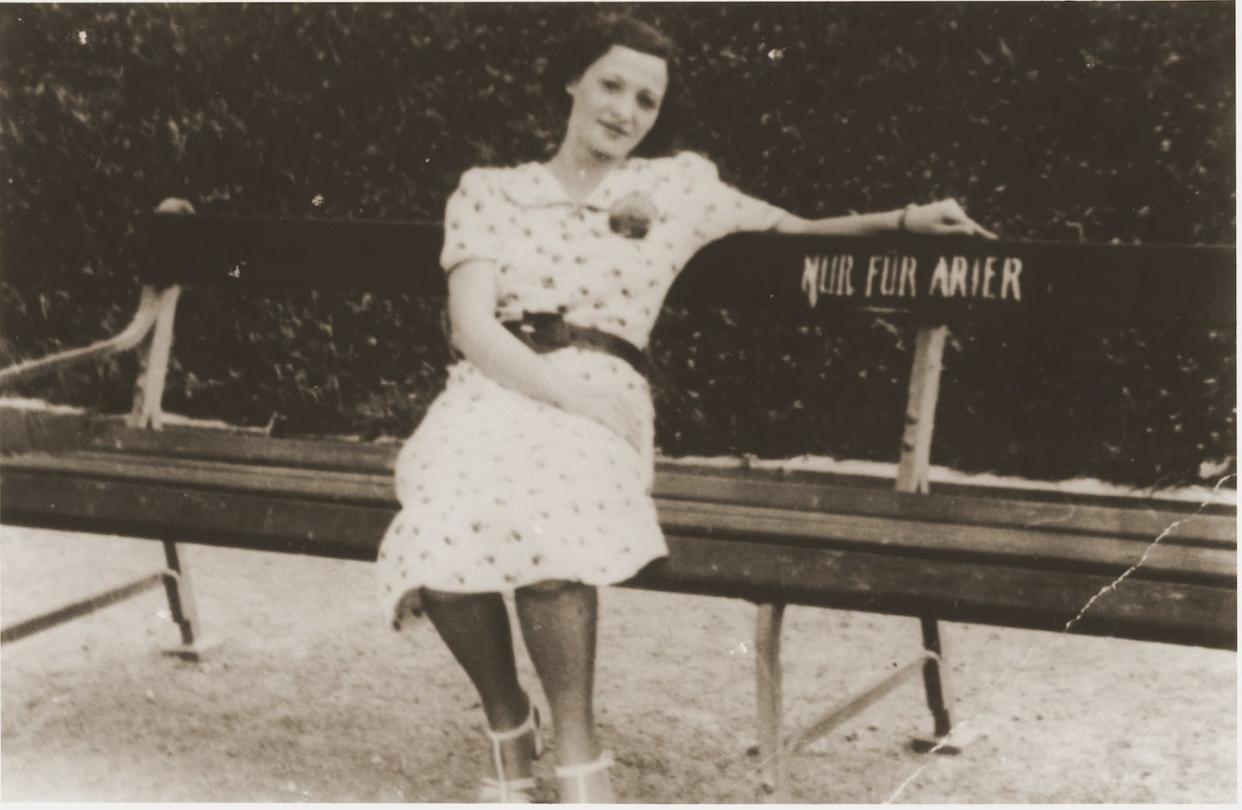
x=130, y=337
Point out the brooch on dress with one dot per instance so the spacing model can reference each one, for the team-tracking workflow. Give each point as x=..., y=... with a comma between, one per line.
x=631, y=216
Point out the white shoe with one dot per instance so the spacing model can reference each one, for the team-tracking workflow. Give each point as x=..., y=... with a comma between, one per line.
x=574, y=787
x=502, y=788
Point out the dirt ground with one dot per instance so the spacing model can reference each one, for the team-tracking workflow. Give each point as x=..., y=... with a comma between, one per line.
x=311, y=697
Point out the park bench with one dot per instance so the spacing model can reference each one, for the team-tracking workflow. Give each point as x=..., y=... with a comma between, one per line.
x=1145, y=568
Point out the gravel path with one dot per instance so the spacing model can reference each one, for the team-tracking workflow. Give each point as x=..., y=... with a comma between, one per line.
x=311, y=698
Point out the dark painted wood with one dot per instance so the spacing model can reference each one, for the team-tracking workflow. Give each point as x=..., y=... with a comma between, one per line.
x=1058, y=282
x=245, y=253
x=939, y=279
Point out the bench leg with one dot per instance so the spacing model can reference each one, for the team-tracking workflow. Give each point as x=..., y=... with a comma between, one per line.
x=770, y=699
x=182, y=606
x=912, y=476
x=933, y=681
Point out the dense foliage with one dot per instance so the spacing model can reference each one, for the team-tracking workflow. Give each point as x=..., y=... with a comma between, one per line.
x=1053, y=121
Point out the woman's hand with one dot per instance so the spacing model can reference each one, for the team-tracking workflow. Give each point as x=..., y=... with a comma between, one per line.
x=942, y=217
x=605, y=408
x=500, y=355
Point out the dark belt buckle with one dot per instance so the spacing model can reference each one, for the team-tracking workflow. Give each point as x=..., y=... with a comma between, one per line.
x=547, y=328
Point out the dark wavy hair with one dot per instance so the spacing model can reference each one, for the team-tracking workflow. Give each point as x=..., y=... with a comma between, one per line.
x=594, y=37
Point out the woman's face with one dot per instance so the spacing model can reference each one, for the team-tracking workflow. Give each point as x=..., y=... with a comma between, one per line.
x=616, y=101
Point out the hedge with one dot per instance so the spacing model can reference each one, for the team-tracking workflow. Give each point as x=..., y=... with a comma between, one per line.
x=1098, y=122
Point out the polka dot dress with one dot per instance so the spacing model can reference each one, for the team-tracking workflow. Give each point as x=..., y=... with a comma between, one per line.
x=498, y=490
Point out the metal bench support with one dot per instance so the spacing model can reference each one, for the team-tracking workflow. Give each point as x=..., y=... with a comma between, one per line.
x=770, y=696
x=912, y=476
x=148, y=413
x=149, y=390
x=937, y=700
x=856, y=704
x=155, y=317
x=126, y=339
x=83, y=607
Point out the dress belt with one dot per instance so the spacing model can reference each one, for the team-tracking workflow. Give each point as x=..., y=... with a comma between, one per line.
x=548, y=331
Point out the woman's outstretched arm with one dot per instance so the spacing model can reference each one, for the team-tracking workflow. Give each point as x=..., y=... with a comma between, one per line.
x=942, y=217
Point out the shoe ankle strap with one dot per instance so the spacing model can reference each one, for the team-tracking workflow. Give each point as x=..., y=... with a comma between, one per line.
x=528, y=725
x=585, y=768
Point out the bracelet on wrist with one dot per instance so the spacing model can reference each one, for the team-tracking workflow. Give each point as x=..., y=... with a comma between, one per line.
x=901, y=220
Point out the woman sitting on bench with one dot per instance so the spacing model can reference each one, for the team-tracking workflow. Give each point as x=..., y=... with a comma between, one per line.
x=532, y=471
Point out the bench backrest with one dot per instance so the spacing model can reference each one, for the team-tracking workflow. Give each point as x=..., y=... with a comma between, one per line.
x=937, y=279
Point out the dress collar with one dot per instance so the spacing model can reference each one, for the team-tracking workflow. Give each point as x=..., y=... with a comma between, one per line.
x=532, y=185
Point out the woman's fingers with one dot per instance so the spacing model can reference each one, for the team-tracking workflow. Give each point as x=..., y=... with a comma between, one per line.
x=622, y=421
x=953, y=219
x=606, y=410
x=628, y=431
x=982, y=231
x=632, y=427
x=967, y=227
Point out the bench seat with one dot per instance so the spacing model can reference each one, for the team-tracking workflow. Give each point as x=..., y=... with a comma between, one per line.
x=963, y=553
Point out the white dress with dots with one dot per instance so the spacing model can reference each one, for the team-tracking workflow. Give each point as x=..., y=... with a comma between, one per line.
x=498, y=490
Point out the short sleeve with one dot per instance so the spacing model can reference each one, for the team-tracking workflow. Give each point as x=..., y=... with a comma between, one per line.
x=718, y=208
x=471, y=221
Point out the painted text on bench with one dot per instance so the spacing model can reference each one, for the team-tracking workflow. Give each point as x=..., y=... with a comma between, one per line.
x=899, y=275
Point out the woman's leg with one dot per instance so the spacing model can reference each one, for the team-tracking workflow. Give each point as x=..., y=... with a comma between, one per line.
x=476, y=629
x=558, y=623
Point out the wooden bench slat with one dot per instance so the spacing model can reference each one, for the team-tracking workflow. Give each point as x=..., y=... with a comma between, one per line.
x=186, y=513
x=1136, y=517
x=1030, y=548
x=333, y=485
x=673, y=486
x=798, y=574
x=32, y=431
x=1046, y=550
x=948, y=591
x=1144, y=519
x=244, y=448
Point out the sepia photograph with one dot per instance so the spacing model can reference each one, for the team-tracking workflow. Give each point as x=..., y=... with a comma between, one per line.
x=659, y=403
